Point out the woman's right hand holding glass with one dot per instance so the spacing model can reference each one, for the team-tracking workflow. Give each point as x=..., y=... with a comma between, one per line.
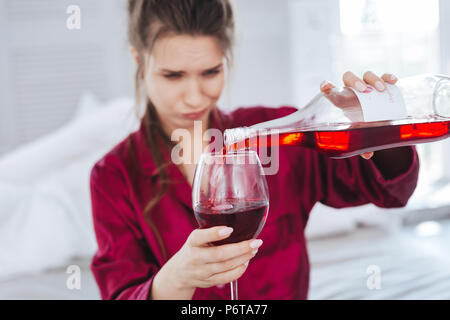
x=199, y=265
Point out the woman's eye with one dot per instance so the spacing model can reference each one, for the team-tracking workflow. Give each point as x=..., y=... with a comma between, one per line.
x=172, y=76
x=212, y=72
x=175, y=76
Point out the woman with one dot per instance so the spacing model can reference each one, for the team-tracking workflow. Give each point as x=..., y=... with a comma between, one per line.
x=149, y=244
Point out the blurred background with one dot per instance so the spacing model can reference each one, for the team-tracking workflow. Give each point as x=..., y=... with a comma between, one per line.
x=66, y=98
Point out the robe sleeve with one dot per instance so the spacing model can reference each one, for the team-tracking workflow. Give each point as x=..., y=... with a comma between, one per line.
x=123, y=265
x=355, y=181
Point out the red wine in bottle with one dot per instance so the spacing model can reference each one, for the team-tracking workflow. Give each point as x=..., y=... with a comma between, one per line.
x=351, y=141
x=345, y=122
x=247, y=218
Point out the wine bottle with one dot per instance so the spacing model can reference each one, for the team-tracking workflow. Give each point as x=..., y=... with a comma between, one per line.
x=344, y=122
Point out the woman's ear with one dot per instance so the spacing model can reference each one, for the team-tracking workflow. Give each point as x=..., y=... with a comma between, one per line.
x=135, y=54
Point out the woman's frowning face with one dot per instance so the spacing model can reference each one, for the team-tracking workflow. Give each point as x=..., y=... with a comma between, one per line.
x=184, y=78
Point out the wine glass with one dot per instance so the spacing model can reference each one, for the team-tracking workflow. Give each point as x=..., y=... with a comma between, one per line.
x=231, y=190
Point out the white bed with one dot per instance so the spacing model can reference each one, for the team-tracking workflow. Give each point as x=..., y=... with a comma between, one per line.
x=45, y=209
x=411, y=267
x=51, y=284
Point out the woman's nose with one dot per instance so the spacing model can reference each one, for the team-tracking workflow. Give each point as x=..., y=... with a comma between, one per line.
x=193, y=96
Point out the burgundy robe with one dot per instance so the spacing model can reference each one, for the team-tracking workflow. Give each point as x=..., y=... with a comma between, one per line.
x=130, y=252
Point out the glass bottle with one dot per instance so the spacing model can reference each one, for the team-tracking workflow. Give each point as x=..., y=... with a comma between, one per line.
x=344, y=122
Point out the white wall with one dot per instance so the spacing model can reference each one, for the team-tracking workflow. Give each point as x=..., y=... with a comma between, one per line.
x=262, y=73
x=45, y=67
x=444, y=11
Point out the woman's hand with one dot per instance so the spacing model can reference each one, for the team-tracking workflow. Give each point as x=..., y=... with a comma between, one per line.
x=198, y=264
x=351, y=80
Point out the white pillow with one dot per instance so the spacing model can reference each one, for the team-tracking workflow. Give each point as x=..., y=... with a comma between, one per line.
x=89, y=132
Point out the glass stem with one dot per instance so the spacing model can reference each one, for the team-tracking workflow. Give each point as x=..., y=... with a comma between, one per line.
x=234, y=290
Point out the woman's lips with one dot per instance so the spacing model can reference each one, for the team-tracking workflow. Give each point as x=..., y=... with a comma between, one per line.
x=194, y=116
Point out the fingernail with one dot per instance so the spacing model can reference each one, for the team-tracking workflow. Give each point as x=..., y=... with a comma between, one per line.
x=367, y=155
x=360, y=86
x=379, y=85
x=324, y=83
x=225, y=231
x=254, y=251
x=256, y=243
x=393, y=77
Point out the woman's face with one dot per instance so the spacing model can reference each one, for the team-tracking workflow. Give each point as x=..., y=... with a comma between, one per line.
x=184, y=78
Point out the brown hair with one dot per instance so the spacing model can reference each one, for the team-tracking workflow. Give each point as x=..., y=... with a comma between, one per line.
x=149, y=20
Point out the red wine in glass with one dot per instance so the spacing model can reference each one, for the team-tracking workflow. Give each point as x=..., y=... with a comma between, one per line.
x=231, y=190
x=247, y=218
